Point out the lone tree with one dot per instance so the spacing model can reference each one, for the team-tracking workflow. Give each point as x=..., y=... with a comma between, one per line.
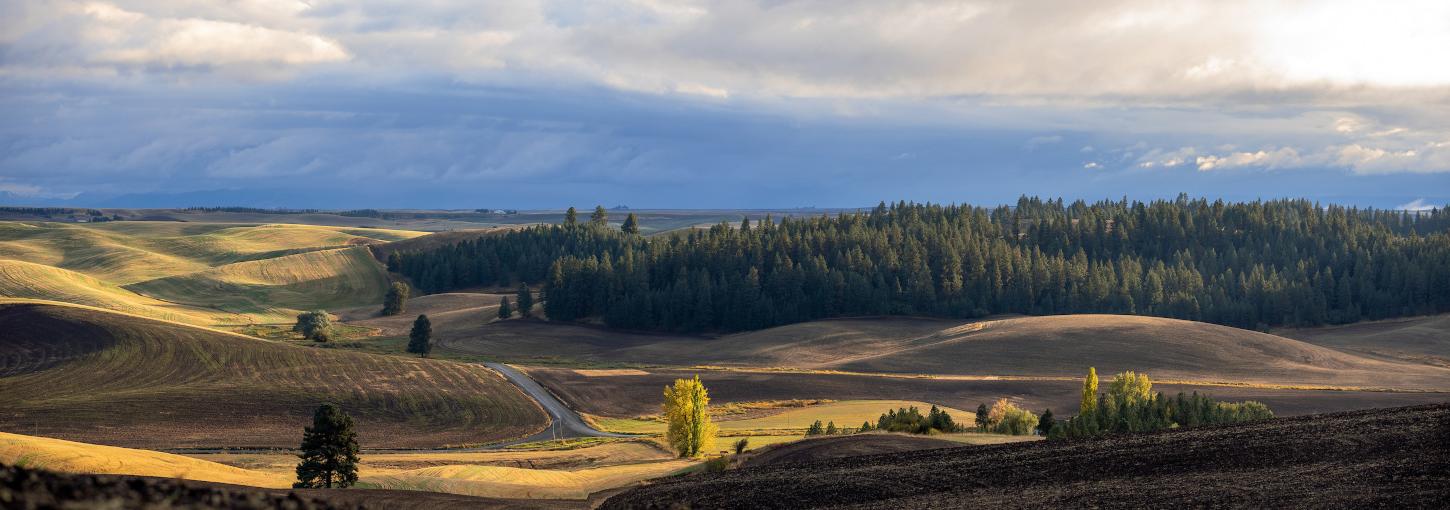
x=741, y=445
x=315, y=325
x=1045, y=423
x=1089, y=402
x=420, y=339
x=690, y=431
x=600, y=218
x=571, y=217
x=329, y=451
x=983, y=417
x=526, y=301
x=396, y=300
x=504, y=311
x=631, y=224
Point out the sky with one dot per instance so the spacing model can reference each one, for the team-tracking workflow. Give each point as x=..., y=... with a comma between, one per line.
x=537, y=104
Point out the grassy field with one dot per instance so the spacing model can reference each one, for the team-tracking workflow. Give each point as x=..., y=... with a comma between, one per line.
x=793, y=419
x=321, y=279
x=508, y=482
x=1424, y=340
x=205, y=274
x=90, y=375
x=129, y=252
x=72, y=457
x=556, y=474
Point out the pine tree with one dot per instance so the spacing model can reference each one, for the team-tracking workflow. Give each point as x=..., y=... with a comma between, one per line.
x=504, y=311
x=420, y=339
x=983, y=419
x=689, y=429
x=600, y=218
x=1045, y=423
x=571, y=217
x=741, y=445
x=631, y=224
x=1088, y=405
x=329, y=451
x=396, y=300
x=816, y=429
x=831, y=428
x=395, y=263
x=525, y=301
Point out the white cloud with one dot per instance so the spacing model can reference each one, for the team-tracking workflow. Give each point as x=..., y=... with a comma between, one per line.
x=1418, y=204
x=1092, y=165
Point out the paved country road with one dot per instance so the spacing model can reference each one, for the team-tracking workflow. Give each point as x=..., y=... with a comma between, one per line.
x=564, y=423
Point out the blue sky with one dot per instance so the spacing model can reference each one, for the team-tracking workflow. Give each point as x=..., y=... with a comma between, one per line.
x=544, y=104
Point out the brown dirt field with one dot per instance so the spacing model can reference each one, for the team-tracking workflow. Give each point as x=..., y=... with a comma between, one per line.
x=94, y=376
x=1417, y=339
x=626, y=396
x=845, y=446
x=1379, y=458
x=1059, y=346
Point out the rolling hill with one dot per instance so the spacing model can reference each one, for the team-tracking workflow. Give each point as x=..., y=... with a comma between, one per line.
x=96, y=376
x=1047, y=346
x=26, y=280
x=322, y=279
x=73, y=457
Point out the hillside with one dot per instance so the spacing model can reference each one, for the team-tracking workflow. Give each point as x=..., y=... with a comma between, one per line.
x=129, y=252
x=1386, y=457
x=26, y=280
x=72, y=457
x=1417, y=339
x=1047, y=346
x=100, y=377
x=304, y=281
x=853, y=445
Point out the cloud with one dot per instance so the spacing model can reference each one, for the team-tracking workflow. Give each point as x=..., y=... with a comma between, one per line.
x=1038, y=141
x=1092, y=165
x=1418, y=204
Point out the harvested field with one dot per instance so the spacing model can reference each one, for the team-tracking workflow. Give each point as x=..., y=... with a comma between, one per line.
x=844, y=446
x=448, y=312
x=323, y=279
x=1423, y=340
x=1385, y=457
x=72, y=457
x=624, y=396
x=509, y=482
x=100, y=377
x=392, y=463
x=1050, y=346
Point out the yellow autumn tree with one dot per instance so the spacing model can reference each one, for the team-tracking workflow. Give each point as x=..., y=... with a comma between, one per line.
x=1089, y=401
x=690, y=431
x=1131, y=388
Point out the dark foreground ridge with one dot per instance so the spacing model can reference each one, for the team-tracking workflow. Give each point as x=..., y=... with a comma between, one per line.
x=1384, y=457
x=29, y=489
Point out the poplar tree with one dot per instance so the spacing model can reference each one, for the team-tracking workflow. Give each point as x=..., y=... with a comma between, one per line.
x=1089, y=402
x=689, y=430
x=329, y=451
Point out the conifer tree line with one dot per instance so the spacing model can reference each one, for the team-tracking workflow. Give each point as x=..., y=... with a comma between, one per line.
x=1252, y=265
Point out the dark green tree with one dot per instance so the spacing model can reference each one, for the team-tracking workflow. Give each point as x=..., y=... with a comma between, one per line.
x=815, y=429
x=631, y=224
x=741, y=445
x=315, y=325
x=831, y=428
x=420, y=339
x=982, y=417
x=525, y=301
x=1045, y=422
x=504, y=311
x=395, y=263
x=600, y=218
x=329, y=451
x=396, y=299
x=571, y=217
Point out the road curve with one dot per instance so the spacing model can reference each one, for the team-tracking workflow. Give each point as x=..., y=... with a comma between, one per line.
x=564, y=423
